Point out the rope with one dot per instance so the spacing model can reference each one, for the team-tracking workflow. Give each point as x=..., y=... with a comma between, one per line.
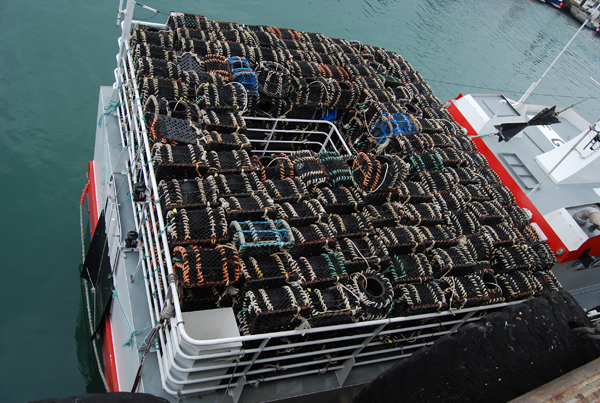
x=132, y=332
x=109, y=109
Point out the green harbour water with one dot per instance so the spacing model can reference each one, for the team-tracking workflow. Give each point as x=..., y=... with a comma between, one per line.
x=55, y=55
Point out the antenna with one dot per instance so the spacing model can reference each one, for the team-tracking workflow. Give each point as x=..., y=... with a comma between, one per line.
x=535, y=84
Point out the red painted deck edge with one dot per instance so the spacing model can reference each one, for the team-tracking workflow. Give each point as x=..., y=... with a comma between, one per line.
x=521, y=198
x=107, y=341
x=92, y=201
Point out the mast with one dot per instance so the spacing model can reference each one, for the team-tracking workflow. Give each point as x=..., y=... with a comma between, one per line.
x=535, y=84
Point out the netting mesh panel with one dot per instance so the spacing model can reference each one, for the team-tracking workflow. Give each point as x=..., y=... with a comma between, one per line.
x=235, y=184
x=232, y=161
x=303, y=213
x=518, y=257
x=339, y=200
x=322, y=270
x=311, y=238
x=349, y=225
x=253, y=207
x=218, y=65
x=332, y=306
x=518, y=285
x=416, y=299
x=426, y=214
x=172, y=161
x=228, y=96
x=215, y=141
x=208, y=226
x=287, y=190
x=196, y=266
x=308, y=168
x=160, y=38
x=274, y=309
x=375, y=293
x=406, y=269
x=165, y=129
x=269, y=271
x=223, y=121
x=147, y=66
x=362, y=253
x=156, y=52
x=186, y=193
x=163, y=88
x=465, y=291
x=404, y=240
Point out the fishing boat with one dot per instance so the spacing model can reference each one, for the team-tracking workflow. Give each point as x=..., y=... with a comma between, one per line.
x=586, y=11
x=565, y=5
x=275, y=213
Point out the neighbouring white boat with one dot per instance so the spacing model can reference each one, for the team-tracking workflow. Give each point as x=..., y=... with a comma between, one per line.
x=586, y=11
x=276, y=213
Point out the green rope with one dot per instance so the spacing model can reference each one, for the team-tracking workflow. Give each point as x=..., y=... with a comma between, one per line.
x=109, y=109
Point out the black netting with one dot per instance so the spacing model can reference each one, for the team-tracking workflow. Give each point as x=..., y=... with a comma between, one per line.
x=417, y=299
x=273, y=79
x=178, y=109
x=153, y=37
x=184, y=193
x=204, y=227
x=426, y=214
x=155, y=52
x=308, y=168
x=269, y=271
x=341, y=200
x=450, y=201
x=512, y=258
x=350, y=225
x=167, y=129
x=235, y=184
x=517, y=285
x=287, y=190
x=218, y=65
x=196, y=266
x=517, y=216
x=228, y=97
x=444, y=236
x=215, y=141
x=274, y=309
x=184, y=20
x=171, y=161
x=334, y=305
x=387, y=215
x=404, y=240
x=304, y=213
x=500, y=234
x=407, y=269
x=464, y=222
x=362, y=253
x=223, y=121
x=232, y=161
x=252, y=207
x=464, y=291
x=149, y=67
x=311, y=239
x=546, y=282
x=324, y=270
x=163, y=88
x=410, y=191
